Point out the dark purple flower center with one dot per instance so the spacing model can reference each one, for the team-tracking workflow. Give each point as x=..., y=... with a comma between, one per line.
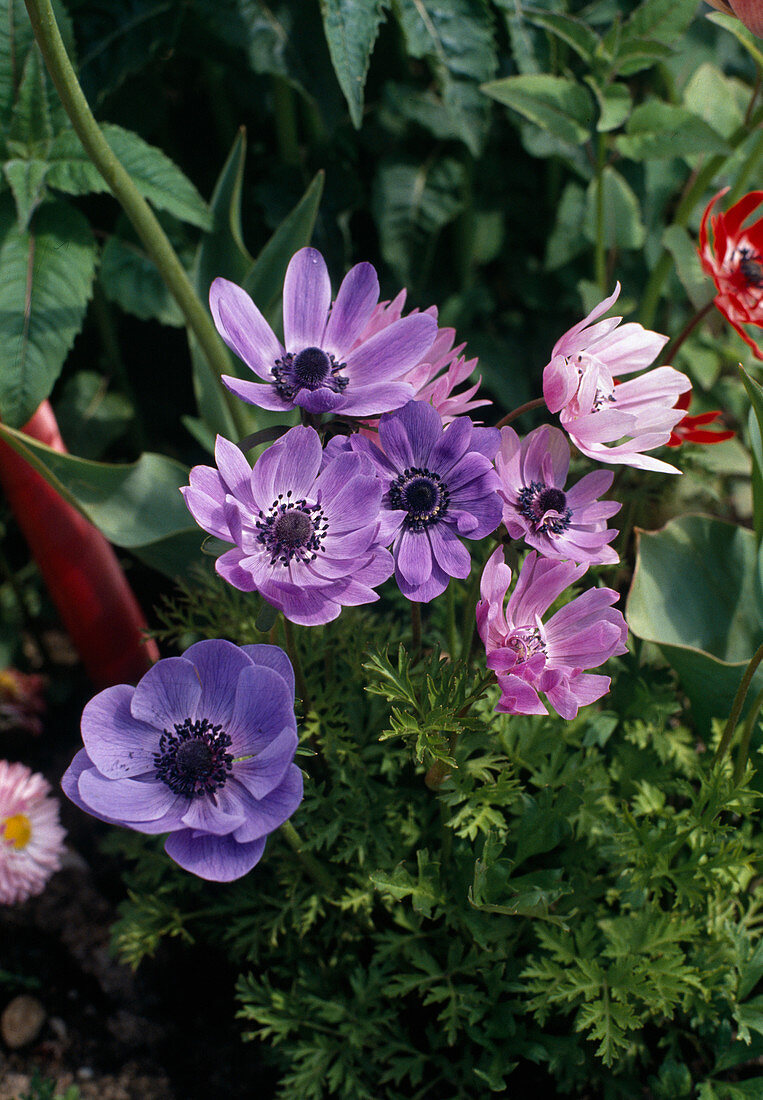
x=192, y=761
x=526, y=641
x=422, y=494
x=309, y=369
x=536, y=500
x=751, y=267
x=291, y=529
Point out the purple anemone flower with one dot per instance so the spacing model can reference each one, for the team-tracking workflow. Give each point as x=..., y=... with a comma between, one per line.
x=529, y=656
x=438, y=485
x=536, y=508
x=322, y=366
x=202, y=749
x=307, y=539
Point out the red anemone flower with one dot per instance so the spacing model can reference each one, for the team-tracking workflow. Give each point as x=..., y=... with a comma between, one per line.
x=686, y=431
x=734, y=261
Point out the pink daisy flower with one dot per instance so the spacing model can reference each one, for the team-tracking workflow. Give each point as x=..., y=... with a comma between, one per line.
x=31, y=838
x=609, y=420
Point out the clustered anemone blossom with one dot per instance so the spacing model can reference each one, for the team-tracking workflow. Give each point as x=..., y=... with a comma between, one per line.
x=306, y=533
x=31, y=838
x=734, y=261
x=536, y=508
x=607, y=419
x=529, y=656
x=202, y=749
x=325, y=364
x=439, y=486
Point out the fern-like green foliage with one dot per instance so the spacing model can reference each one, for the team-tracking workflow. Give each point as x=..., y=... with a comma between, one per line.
x=570, y=909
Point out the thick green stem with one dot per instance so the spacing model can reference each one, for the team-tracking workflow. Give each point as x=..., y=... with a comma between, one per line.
x=123, y=189
x=315, y=870
x=744, y=744
x=694, y=193
x=738, y=703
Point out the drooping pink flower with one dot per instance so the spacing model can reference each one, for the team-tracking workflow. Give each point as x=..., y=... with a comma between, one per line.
x=31, y=838
x=435, y=377
x=734, y=261
x=607, y=419
x=529, y=656
x=569, y=524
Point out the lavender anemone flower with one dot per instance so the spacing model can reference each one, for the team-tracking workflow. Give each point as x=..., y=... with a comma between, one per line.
x=558, y=524
x=529, y=656
x=609, y=420
x=326, y=364
x=307, y=539
x=438, y=485
x=202, y=749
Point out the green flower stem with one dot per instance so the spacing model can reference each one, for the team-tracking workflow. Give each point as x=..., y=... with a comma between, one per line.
x=415, y=629
x=536, y=403
x=315, y=870
x=701, y=182
x=744, y=746
x=736, y=708
x=124, y=190
x=299, y=676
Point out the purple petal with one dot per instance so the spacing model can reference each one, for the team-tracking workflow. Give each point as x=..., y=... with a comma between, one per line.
x=451, y=446
x=168, y=693
x=255, y=393
x=223, y=815
x=229, y=567
x=393, y=351
x=218, y=666
x=127, y=800
x=70, y=784
x=413, y=556
x=208, y=513
x=379, y=398
x=432, y=587
x=234, y=468
x=263, y=773
x=319, y=401
x=214, y=858
x=243, y=328
x=118, y=744
x=451, y=554
x=306, y=300
x=265, y=815
x=409, y=434
x=518, y=697
x=272, y=656
x=352, y=309
x=290, y=464
x=263, y=706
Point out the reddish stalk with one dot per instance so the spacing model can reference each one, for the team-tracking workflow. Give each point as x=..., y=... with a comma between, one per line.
x=79, y=567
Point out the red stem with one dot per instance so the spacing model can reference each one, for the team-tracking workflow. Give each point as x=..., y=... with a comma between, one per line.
x=79, y=567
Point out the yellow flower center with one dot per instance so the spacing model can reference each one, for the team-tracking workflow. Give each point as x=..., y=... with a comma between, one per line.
x=17, y=830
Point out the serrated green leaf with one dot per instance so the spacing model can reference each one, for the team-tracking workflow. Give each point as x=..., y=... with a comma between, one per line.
x=90, y=417
x=577, y=34
x=136, y=506
x=412, y=203
x=46, y=277
x=130, y=278
x=615, y=104
x=31, y=130
x=657, y=129
x=456, y=33
x=156, y=177
x=558, y=105
x=16, y=42
x=26, y=179
x=622, y=226
x=351, y=31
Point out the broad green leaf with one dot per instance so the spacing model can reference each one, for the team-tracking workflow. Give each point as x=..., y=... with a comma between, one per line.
x=16, y=42
x=568, y=28
x=661, y=20
x=351, y=31
x=412, y=203
x=658, y=129
x=153, y=173
x=89, y=416
x=556, y=104
x=403, y=104
x=264, y=280
x=26, y=179
x=468, y=110
x=696, y=594
x=31, y=130
x=622, y=226
x=565, y=240
x=615, y=104
x=130, y=278
x=636, y=54
x=741, y=33
x=717, y=99
x=46, y=277
x=456, y=33
x=138, y=506
x=683, y=248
